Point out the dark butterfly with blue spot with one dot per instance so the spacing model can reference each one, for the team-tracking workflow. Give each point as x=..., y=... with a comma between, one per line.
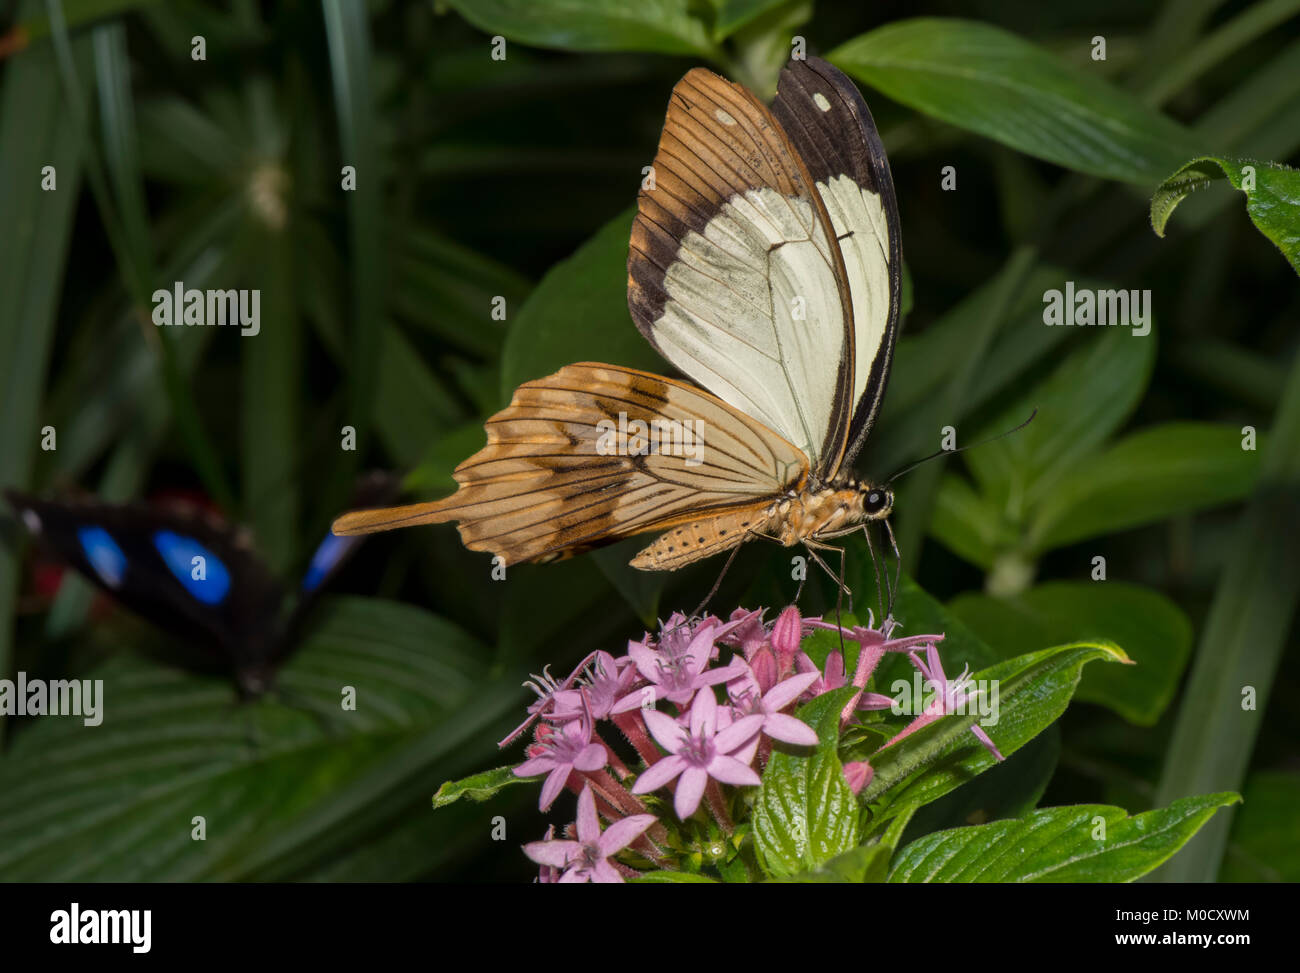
x=191, y=573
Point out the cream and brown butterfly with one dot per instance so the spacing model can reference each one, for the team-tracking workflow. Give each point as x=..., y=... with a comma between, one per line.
x=765, y=266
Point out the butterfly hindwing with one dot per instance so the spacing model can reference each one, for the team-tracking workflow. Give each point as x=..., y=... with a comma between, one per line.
x=734, y=274
x=579, y=459
x=827, y=119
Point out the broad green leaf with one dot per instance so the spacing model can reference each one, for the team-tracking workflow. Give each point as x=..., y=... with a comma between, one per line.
x=578, y=313
x=1264, y=845
x=805, y=814
x=1033, y=691
x=1080, y=404
x=987, y=80
x=1154, y=632
x=865, y=863
x=1272, y=197
x=663, y=26
x=1006, y=790
x=412, y=407
x=478, y=787
x=1150, y=475
x=1082, y=843
x=282, y=786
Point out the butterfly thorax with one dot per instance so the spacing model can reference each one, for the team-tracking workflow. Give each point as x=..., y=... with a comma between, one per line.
x=821, y=512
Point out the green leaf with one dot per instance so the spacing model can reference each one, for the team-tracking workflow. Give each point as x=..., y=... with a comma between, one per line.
x=1242, y=642
x=478, y=787
x=1150, y=475
x=986, y=80
x=578, y=313
x=673, y=878
x=36, y=129
x=1272, y=197
x=805, y=814
x=1155, y=634
x=282, y=786
x=865, y=863
x=662, y=26
x=735, y=14
x=1080, y=404
x=1059, y=844
x=1265, y=844
x=1033, y=691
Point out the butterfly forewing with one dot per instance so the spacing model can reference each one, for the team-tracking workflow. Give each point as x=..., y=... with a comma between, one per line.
x=595, y=453
x=823, y=113
x=734, y=274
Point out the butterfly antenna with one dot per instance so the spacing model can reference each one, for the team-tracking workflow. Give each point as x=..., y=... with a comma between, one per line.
x=961, y=449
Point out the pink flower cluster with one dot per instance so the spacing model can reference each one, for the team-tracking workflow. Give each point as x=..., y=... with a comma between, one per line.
x=702, y=744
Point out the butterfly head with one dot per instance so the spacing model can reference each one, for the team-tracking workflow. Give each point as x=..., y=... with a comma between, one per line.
x=877, y=502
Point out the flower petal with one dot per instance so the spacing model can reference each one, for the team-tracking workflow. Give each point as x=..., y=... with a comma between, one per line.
x=665, y=730
x=592, y=757
x=606, y=874
x=622, y=833
x=704, y=714
x=536, y=766
x=729, y=770
x=553, y=853
x=787, y=691
x=588, y=823
x=555, y=782
x=659, y=773
x=689, y=791
x=738, y=734
x=788, y=729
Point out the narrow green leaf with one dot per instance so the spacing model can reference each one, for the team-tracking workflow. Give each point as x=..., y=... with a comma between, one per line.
x=986, y=80
x=805, y=814
x=1083, y=843
x=1264, y=845
x=477, y=787
x=36, y=130
x=1272, y=197
x=1242, y=642
x=663, y=26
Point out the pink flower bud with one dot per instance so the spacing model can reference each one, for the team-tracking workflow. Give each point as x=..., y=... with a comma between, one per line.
x=786, y=636
x=765, y=669
x=858, y=773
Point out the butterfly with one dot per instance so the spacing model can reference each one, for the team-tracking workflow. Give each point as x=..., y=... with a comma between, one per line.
x=191, y=573
x=765, y=265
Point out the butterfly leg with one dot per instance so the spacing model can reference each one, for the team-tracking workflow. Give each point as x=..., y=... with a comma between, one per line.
x=880, y=568
x=898, y=561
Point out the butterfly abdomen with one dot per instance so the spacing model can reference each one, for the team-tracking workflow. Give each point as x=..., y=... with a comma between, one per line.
x=692, y=542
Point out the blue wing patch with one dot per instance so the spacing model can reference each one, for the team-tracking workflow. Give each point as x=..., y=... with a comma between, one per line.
x=325, y=559
x=211, y=584
x=103, y=554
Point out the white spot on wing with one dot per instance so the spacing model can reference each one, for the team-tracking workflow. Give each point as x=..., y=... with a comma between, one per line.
x=724, y=117
x=820, y=101
x=33, y=521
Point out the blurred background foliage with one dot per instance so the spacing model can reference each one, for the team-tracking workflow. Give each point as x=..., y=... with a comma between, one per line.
x=479, y=179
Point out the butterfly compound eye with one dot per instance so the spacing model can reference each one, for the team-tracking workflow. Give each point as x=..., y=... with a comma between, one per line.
x=877, y=500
